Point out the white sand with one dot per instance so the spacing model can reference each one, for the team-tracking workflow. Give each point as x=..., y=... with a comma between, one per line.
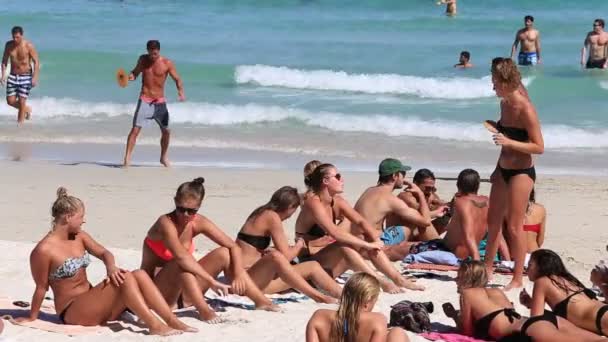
x=121, y=204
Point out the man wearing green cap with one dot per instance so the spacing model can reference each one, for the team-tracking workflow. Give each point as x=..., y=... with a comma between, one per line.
x=378, y=202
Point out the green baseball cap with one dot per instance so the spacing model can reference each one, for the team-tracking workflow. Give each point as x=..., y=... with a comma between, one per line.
x=390, y=166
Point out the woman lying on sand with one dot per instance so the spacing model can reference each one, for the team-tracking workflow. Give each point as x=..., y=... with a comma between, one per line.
x=318, y=218
x=487, y=313
x=354, y=320
x=169, y=245
x=60, y=260
x=270, y=268
x=519, y=135
x=566, y=295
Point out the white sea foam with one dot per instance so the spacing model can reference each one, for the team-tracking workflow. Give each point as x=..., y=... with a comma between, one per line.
x=207, y=114
x=426, y=87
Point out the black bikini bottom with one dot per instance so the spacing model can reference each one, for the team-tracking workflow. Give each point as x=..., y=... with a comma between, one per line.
x=508, y=173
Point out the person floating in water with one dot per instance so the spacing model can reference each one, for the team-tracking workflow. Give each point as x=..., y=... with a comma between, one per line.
x=450, y=9
x=464, y=62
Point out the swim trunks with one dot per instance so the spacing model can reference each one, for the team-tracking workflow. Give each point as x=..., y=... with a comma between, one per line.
x=393, y=235
x=527, y=58
x=151, y=109
x=431, y=245
x=19, y=85
x=596, y=64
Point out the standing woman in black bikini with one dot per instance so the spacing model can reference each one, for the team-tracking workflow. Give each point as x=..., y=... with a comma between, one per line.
x=270, y=269
x=60, y=259
x=566, y=295
x=520, y=137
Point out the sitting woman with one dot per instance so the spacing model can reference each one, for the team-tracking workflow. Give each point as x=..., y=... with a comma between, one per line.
x=317, y=218
x=169, y=245
x=534, y=224
x=316, y=240
x=354, y=320
x=566, y=295
x=60, y=260
x=487, y=313
x=270, y=269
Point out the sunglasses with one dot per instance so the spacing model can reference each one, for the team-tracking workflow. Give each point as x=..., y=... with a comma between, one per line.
x=337, y=176
x=183, y=210
x=429, y=189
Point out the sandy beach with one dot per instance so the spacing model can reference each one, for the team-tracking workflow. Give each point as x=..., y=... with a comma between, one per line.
x=121, y=204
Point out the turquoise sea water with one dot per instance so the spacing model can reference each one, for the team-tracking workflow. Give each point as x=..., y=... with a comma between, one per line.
x=359, y=80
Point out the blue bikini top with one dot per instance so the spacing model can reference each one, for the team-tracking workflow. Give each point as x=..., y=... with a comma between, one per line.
x=71, y=266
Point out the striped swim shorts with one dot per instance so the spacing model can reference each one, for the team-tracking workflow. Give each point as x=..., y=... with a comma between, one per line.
x=19, y=85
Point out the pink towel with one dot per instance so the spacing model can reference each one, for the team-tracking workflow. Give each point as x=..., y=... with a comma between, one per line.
x=434, y=336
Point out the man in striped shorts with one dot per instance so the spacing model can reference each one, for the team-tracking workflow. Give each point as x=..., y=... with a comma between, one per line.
x=21, y=79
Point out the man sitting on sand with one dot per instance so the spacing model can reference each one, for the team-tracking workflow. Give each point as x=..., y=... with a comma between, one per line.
x=529, y=37
x=466, y=228
x=425, y=180
x=377, y=202
x=464, y=61
x=597, y=40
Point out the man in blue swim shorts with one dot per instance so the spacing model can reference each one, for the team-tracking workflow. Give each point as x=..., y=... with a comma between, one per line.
x=378, y=202
x=529, y=37
x=23, y=77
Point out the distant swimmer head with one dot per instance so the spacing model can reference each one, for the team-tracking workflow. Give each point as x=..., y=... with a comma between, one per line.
x=465, y=57
x=598, y=25
x=67, y=210
x=471, y=274
x=308, y=169
x=153, y=47
x=505, y=76
x=17, y=33
x=188, y=199
x=326, y=176
x=529, y=20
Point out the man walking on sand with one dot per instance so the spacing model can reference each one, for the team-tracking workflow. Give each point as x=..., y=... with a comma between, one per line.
x=152, y=105
x=21, y=79
x=529, y=37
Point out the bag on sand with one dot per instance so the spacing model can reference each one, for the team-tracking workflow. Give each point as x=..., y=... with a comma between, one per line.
x=411, y=316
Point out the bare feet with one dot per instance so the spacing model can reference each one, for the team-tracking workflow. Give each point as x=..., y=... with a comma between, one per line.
x=164, y=330
x=28, y=112
x=210, y=317
x=410, y=285
x=514, y=285
x=165, y=162
x=326, y=299
x=389, y=287
x=126, y=162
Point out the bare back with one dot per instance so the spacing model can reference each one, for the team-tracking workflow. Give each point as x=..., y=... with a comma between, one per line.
x=20, y=56
x=371, y=326
x=470, y=210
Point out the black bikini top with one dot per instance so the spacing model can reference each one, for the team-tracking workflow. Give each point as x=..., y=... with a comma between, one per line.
x=518, y=134
x=259, y=242
x=481, y=328
x=316, y=230
x=561, y=308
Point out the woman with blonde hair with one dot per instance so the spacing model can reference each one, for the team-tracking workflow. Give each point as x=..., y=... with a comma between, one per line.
x=518, y=132
x=488, y=314
x=354, y=320
x=60, y=260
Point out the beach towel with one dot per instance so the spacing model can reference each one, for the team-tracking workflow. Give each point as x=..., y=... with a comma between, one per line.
x=219, y=303
x=433, y=257
x=434, y=336
x=47, y=319
x=431, y=267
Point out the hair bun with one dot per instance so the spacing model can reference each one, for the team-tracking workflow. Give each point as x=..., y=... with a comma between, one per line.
x=307, y=180
x=199, y=180
x=62, y=192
